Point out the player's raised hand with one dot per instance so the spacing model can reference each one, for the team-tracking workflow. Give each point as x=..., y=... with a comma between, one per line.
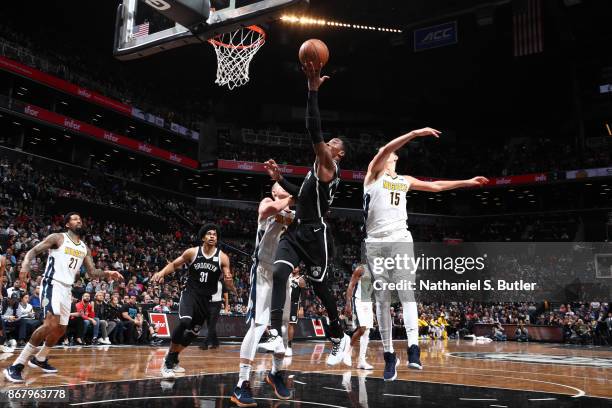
x=313, y=73
x=114, y=275
x=157, y=277
x=272, y=169
x=426, y=132
x=478, y=181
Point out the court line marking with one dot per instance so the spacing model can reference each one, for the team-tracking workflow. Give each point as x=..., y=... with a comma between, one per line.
x=334, y=389
x=542, y=399
x=299, y=382
x=450, y=354
x=200, y=396
x=478, y=399
x=579, y=394
x=404, y=396
x=446, y=368
x=499, y=406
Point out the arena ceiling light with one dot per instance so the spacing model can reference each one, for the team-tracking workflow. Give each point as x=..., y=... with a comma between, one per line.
x=310, y=21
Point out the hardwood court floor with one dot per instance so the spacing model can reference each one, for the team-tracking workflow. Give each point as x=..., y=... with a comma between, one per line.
x=456, y=373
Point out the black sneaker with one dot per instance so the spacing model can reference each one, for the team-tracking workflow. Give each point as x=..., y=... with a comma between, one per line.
x=414, y=357
x=43, y=365
x=242, y=396
x=278, y=385
x=13, y=373
x=391, y=363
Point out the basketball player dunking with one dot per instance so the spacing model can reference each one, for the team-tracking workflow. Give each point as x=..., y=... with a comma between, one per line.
x=207, y=265
x=386, y=222
x=274, y=216
x=308, y=238
x=359, y=307
x=67, y=252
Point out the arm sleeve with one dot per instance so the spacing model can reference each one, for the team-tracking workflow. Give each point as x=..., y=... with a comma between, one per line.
x=289, y=187
x=313, y=118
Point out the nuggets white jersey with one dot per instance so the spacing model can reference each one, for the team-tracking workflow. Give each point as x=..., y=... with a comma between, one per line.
x=384, y=205
x=268, y=235
x=64, y=263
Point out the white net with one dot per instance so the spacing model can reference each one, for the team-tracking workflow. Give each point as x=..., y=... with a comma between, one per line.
x=235, y=50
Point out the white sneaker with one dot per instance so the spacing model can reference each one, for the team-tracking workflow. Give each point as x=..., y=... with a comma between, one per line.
x=6, y=349
x=273, y=344
x=348, y=356
x=288, y=352
x=178, y=369
x=363, y=365
x=167, y=372
x=107, y=341
x=338, y=350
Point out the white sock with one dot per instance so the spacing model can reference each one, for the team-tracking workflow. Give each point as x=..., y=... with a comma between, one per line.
x=363, y=344
x=383, y=315
x=411, y=322
x=245, y=373
x=27, y=351
x=42, y=353
x=277, y=363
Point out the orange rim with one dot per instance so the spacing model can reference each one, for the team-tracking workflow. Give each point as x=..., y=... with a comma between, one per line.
x=257, y=29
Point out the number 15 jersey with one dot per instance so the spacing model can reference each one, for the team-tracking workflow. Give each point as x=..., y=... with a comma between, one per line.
x=204, y=273
x=384, y=205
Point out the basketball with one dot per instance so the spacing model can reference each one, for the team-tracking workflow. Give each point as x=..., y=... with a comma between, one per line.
x=314, y=51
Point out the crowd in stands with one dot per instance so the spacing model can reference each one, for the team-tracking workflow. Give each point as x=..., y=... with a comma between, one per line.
x=138, y=252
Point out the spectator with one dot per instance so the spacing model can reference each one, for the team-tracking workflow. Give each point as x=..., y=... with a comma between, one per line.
x=86, y=309
x=26, y=319
x=101, y=312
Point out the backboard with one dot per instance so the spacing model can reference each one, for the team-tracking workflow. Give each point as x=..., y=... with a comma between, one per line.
x=146, y=27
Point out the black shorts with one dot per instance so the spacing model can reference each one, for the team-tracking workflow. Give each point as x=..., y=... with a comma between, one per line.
x=293, y=313
x=310, y=243
x=195, y=306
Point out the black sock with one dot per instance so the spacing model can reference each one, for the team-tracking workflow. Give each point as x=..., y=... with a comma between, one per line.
x=289, y=343
x=172, y=359
x=276, y=320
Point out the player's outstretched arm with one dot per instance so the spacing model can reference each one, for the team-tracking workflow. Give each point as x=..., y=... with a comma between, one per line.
x=275, y=174
x=327, y=167
x=377, y=164
x=443, y=185
x=348, y=307
x=269, y=207
x=95, y=273
x=186, y=257
x=52, y=241
x=228, y=277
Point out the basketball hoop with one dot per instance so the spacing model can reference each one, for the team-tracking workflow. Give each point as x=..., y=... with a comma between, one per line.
x=235, y=50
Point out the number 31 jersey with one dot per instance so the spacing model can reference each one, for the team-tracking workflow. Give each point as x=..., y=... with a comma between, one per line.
x=384, y=205
x=64, y=263
x=204, y=273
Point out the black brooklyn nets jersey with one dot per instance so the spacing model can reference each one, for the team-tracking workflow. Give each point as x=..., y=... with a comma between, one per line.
x=204, y=273
x=315, y=197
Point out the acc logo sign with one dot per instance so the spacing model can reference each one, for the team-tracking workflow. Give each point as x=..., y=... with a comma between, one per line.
x=160, y=5
x=435, y=36
x=602, y=362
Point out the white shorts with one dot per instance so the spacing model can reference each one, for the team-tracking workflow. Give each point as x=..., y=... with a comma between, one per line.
x=389, y=246
x=56, y=298
x=260, y=296
x=363, y=314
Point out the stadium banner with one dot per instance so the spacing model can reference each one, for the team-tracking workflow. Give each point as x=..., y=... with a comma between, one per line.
x=436, y=36
x=110, y=137
x=160, y=322
x=64, y=86
x=587, y=173
x=520, y=179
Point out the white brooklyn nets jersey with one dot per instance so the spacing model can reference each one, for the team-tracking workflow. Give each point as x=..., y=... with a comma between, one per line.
x=64, y=263
x=268, y=235
x=384, y=205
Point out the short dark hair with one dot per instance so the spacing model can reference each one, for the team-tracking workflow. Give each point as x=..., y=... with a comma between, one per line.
x=69, y=215
x=208, y=227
